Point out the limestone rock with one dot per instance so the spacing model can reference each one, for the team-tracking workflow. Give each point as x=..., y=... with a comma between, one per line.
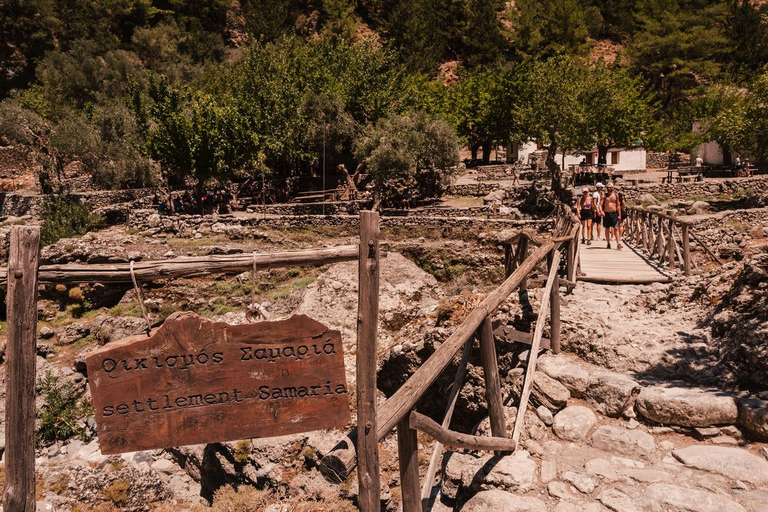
x=691, y=500
x=561, y=490
x=569, y=374
x=567, y=506
x=460, y=471
x=634, y=443
x=698, y=208
x=621, y=502
x=545, y=415
x=648, y=475
x=495, y=500
x=548, y=471
x=753, y=418
x=689, y=407
x=584, y=482
x=610, y=393
x=513, y=472
x=545, y=391
x=735, y=463
x=574, y=423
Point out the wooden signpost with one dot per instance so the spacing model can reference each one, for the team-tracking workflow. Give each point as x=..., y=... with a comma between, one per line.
x=195, y=381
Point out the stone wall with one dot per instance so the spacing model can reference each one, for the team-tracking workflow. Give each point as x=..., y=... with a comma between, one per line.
x=102, y=201
x=331, y=208
x=662, y=160
x=482, y=189
x=758, y=185
x=242, y=226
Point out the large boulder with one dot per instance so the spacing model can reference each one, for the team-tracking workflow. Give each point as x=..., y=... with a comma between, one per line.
x=497, y=196
x=574, y=423
x=684, y=499
x=545, y=390
x=753, y=418
x=698, y=208
x=734, y=463
x=689, y=407
x=495, y=501
x=611, y=393
x=569, y=374
x=634, y=443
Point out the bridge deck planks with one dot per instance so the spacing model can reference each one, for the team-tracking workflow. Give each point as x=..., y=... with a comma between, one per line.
x=627, y=265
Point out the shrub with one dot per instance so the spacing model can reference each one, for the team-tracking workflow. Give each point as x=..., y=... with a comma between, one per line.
x=60, y=414
x=65, y=217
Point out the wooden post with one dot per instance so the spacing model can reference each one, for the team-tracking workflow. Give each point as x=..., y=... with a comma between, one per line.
x=686, y=250
x=554, y=305
x=367, y=324
x=522, y=254
x=660, y=242
x=647, y=233
x=492, y=380
x=533, y=353
x=19, y=492
x=671, y=244
x=510, y=260
x=408, y=452
x=426, y=488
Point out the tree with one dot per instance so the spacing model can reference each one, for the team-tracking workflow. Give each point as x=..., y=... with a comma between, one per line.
x=407, y=151
x=677, y=49
x=618, y=112
x=543, y=29
x=551, y=110
x=482, y=104
x=739, y=120
x=193, y=135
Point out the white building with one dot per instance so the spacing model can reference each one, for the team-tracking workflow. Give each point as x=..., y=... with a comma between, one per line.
x=618, y=158
x=711, y=152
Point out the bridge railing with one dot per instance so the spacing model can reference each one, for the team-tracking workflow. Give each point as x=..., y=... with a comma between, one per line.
x=399, y=410
x=663, y=236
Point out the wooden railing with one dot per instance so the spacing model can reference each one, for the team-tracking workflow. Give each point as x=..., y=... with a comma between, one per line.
x=399, y=410
x=664, y=237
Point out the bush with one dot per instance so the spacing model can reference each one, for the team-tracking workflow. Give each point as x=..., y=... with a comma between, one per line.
x=62, y=410
x=65, y=217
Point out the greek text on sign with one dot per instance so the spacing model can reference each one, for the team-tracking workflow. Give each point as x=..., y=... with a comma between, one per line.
x=194, y=381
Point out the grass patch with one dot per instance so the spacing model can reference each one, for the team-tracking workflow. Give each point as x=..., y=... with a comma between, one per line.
x=217, y=307
x=737, y=224
x=293, y=286
x=117, y=491
x=130, y=309
x=86, y=341
x=242, y=450
x=462, y=201
x=65, y=217
x=62, y=410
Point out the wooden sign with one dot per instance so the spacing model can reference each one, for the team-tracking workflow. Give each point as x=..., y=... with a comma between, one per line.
x=194, y=381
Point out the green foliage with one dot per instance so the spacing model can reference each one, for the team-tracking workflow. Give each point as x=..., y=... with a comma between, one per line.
x=412, y=150
x=61, y=411
x=543, y=29
x=65, y=217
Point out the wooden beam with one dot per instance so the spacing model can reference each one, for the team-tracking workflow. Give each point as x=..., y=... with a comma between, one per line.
x=671, y=244
x=408, y=453
x=19, y=491
x=533, y=353
x=437, y=450
x=626, y=280
x=704, y=246
x=510, y=334
x=457, y=439
x=554, y=302
x=492, y=381
x=686, y=250
x=190, y=266
x=338, y=463
x=367, y=324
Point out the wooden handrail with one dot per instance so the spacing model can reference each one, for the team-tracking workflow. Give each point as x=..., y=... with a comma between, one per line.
x=458, y=440
x=190, y=266
x=338, y=463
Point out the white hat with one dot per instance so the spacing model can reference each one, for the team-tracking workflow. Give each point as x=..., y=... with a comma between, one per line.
x=599, y=185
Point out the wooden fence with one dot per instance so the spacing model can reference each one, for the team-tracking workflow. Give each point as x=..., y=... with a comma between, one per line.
x=664, y=237
x=399, y=410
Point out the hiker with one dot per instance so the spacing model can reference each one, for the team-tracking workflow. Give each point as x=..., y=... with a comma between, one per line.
x=622, y=212
x=597, y=196
x=747, y=169
x=611, y=207
x=585, y=207
x=699, y=161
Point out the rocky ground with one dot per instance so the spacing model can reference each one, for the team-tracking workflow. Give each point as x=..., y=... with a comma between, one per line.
x=657, y=404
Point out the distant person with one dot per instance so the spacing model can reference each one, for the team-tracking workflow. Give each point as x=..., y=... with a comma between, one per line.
x=622, y=212
x=747, y=168
x=738, y=161
x=612, y=214
x=597, y=196
x=585, y=208
x=699, y=161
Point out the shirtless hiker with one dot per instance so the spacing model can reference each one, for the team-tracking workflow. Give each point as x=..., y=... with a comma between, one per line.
x=612, y=208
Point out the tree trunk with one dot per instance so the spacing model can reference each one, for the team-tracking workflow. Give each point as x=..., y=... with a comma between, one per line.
x=602, y=155
x=486, y=152
x=199, y=191
x=554, y=169
x=473, y=150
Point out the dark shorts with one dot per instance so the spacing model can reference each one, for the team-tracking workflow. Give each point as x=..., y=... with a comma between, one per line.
x=611, y=220
x=587, y=214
